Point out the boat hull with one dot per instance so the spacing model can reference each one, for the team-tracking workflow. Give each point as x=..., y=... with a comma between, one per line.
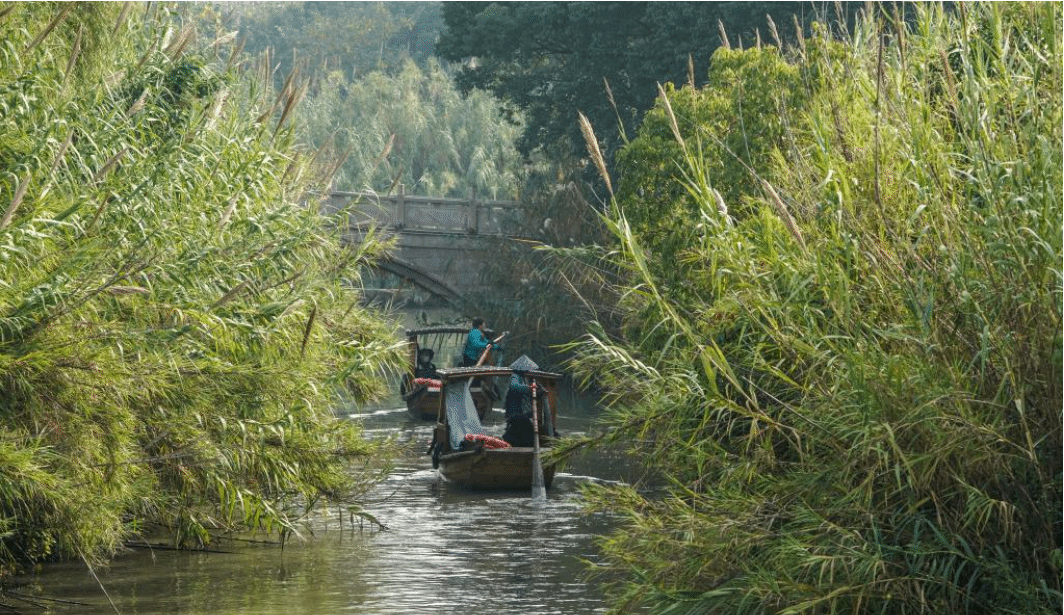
x=493, y=469
x=424, y=402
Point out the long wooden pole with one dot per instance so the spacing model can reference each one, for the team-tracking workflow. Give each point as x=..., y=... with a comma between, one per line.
x=484, y=355
x=539, y=490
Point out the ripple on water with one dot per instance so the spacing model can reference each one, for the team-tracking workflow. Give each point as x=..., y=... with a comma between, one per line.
x=446, y=551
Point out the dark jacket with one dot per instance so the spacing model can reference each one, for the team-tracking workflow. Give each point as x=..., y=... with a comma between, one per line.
x=518, y=398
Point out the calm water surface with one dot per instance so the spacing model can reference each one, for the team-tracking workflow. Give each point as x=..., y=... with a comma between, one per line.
x=445, y=550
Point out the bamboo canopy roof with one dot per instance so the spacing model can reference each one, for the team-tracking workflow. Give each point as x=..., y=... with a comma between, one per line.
x=413, y=333
x=487, y=371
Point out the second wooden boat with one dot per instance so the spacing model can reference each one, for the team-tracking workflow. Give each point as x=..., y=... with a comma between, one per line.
x=421, y=386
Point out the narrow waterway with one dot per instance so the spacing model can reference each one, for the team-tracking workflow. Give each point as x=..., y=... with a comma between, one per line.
x=445, y=550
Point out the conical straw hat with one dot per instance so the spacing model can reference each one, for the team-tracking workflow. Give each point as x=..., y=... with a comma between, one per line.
x=523, y=364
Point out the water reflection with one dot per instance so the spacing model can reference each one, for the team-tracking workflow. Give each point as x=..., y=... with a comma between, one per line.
x=456, y=551
x=446, y=550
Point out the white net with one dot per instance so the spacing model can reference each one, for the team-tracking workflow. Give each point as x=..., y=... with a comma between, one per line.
x=461, y=411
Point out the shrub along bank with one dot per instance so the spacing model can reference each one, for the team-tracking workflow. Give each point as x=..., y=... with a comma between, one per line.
x=174, y=327
x=842, y=324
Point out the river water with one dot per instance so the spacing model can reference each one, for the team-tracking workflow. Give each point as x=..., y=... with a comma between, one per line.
x=444, y=551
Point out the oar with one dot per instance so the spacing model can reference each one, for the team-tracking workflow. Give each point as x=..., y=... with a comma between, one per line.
x=539, y=491
x=484, y=355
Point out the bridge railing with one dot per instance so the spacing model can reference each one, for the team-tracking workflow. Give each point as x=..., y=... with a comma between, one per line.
x=422, y=213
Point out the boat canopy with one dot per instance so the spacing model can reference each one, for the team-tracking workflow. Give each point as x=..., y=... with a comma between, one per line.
x=415, y=333
x=445, y=344
x=450, y=374
x=458, y=401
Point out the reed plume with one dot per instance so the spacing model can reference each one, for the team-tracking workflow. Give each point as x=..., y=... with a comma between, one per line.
x=594, y=151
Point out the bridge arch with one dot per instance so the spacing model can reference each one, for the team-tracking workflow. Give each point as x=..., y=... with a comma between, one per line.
x=420, y=278
x=443, y=246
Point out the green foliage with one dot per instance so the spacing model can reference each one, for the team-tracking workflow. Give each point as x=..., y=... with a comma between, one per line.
x=734, y=124
x=414, y=128
x=855, y=398
x=174, y=330
x=552, y=59
x=379, y=101
x=553, y=292
x=352, y=38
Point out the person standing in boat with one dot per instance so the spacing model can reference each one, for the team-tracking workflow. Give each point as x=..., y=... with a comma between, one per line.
x=475, y=344
x=518, y=404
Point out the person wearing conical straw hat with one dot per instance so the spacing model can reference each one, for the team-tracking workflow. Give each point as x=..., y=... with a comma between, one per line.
x=518, y=404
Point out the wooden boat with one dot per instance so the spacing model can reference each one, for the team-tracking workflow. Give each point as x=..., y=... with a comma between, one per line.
x=420, y=387
x=479, y=467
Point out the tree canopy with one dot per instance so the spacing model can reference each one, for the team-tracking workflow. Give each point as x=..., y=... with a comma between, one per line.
x=354, y=38
x=552, y=60
x=414, y=128
x=378, y=99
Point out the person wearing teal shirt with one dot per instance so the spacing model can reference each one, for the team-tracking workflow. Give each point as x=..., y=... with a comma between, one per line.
x=475, y=343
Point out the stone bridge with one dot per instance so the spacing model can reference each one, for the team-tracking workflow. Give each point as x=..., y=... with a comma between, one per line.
x=443, y=246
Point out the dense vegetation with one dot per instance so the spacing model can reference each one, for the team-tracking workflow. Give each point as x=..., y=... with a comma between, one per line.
x=174, y=326
x=827, y=312
x=551, y=60
x=839, y=274
x=352, y=38
x=413, y=128
x=380, y=102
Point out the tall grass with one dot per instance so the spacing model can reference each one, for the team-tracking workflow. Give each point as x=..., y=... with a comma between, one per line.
x=855, y=395
x=174, y=329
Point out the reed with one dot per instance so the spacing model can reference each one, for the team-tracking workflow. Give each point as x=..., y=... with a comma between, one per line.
x=596, y=153
x=175, y=330
x=854, y=394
